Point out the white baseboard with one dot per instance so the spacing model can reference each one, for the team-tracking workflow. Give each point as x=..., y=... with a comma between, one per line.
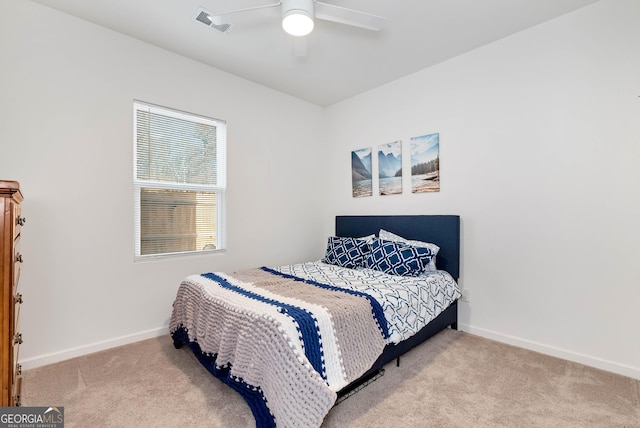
x=55, y=357
x=633, y=372
x=610, y=366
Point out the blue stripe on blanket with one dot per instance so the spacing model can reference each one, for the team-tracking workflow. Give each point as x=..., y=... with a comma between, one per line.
x=378, y=312
x=307, y=324
x=251, y=394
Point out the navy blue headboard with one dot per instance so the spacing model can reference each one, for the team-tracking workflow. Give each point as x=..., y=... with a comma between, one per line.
x=442, y=230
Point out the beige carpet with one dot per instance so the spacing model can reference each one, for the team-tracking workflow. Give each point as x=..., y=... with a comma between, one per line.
x=453, y=380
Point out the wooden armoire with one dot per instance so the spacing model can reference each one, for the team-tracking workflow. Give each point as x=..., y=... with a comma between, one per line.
x=11, y=223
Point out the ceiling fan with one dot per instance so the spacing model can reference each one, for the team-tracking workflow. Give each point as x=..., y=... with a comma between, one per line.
x=298, y=16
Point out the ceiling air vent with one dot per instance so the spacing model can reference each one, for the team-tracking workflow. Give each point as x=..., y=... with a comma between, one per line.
x=204, y=16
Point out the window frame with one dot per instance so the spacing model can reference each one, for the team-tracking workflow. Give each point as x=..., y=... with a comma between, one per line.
x=219, y=189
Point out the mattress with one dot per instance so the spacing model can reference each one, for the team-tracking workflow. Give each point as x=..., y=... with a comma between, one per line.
x=409, y=303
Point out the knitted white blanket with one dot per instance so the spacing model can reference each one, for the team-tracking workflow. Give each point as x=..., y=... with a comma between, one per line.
x=285, y=344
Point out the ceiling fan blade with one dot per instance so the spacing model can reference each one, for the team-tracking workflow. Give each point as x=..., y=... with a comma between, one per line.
x=342, y=15
x=220, y=17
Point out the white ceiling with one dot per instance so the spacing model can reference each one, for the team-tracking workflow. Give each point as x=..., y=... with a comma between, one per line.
x=341, y=61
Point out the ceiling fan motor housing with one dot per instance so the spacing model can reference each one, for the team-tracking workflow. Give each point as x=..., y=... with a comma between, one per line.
x=297, y=16
x=305, y=6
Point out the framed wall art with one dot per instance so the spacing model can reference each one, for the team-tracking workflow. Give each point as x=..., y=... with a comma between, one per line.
x=390, y=168
x=361, y=173
x=425, y=163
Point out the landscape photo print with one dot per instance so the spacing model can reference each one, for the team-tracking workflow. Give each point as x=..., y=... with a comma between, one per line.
x=390, y=168
x=425, y=163
x=361, y=184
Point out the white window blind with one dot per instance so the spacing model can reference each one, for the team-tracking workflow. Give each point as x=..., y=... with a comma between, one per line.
x=179, y=181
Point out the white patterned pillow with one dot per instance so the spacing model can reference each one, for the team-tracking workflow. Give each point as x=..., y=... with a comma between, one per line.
x=345, y=252
x=368, y=239
x=388, y=236
x=398, y=258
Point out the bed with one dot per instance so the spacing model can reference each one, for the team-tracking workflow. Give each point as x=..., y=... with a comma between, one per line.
x=293, y=339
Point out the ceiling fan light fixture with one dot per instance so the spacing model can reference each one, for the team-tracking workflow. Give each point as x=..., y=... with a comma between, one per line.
x=297, y=23
x=297, y=17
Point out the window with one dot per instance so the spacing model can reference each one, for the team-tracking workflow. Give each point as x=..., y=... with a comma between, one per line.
x=179, y=181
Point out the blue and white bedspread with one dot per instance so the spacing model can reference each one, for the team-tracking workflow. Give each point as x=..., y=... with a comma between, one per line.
x=409, y=303
x=287, y=339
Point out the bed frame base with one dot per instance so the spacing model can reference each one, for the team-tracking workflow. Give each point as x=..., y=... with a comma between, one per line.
x=358, y=385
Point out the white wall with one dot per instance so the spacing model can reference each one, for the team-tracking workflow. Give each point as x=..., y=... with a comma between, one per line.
x=66, y=128
x=539, y=141
x=540, y=155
